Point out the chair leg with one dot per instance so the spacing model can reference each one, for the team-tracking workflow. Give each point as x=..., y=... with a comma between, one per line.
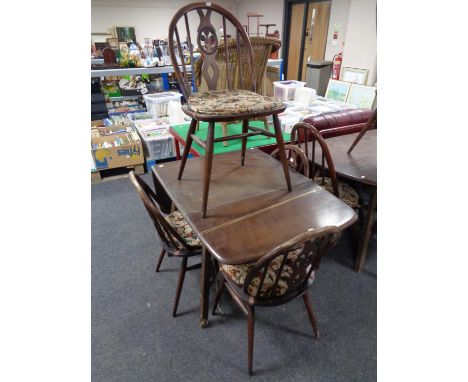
x=265, y=124
x=221, y=287
x=188, y=145
x=245, y=129
x=161, y=257
x=183, y=269
x=224, y=125
x=250, y=334
x=208, y=162
x=366, y=232
x=310, y=312
x=280, y=142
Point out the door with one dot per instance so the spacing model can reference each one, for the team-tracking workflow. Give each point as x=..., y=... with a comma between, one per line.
x=295, y=40
x=307, y=29
x=316, y=33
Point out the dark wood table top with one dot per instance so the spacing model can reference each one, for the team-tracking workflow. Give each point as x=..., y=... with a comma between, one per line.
x=250, y=211
x=361, y=164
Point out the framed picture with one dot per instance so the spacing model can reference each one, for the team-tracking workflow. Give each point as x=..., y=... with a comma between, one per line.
x=354, y=75
x=113, y=42
x=362, y=96
x=125, y=34
x=337, y=90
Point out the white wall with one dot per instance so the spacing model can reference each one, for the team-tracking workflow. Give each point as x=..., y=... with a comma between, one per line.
x=272, y=11
x=150, y=18
x=360, y=50
x=339, y=14
x=357, y=19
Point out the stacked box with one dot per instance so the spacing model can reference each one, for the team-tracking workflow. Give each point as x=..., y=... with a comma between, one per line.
x=115, y=146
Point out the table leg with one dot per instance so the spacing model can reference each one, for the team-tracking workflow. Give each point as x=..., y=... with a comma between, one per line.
x=177, y=148
x=366, y=232
x=204, y=288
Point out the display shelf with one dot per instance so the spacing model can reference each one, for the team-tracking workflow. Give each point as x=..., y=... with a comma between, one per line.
x=134, y=71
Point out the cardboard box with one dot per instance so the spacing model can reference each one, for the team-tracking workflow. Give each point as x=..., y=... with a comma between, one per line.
x=114, y=156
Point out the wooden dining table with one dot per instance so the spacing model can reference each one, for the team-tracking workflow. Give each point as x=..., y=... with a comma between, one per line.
x=359, y=166
x=250, y=209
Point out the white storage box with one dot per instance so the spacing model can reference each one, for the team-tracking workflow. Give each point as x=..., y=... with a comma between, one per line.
x=157, y=144
x=285, y=90
x=156, y=103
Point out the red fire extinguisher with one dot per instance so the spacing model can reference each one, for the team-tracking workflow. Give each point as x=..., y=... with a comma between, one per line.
x=336, y=69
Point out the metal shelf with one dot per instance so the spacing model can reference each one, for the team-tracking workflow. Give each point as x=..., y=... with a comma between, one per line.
x=134, y=71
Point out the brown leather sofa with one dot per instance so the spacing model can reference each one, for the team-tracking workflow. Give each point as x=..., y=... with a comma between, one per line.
x=340, y=123
x=334, y=124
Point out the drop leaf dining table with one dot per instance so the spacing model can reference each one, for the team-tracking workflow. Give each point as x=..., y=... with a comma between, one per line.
x=251, y=210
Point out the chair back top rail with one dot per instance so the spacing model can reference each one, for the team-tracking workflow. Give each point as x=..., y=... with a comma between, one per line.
x=208, y=45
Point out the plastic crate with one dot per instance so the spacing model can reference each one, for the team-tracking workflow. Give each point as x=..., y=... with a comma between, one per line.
x=156, y=103
x=159, y=147
x=285, y=90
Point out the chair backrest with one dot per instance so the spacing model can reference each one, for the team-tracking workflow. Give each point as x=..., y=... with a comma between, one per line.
x=297, y=160
x=208, y=45
x=168, y=235
x=286, y=269
x=302, y=133
x=262, y=48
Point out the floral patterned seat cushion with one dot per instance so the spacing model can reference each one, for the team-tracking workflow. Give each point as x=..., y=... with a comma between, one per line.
x=178, y=222
x=238, y=273
x=231, y=102
x=347, y=194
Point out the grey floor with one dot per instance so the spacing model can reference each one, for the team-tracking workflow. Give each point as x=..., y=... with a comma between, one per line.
x=135, y=338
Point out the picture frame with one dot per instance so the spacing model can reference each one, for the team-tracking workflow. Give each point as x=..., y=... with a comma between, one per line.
x=125, y=33
x=113, y=42
x=362, y=96
x=338, y=90
x=354, y=75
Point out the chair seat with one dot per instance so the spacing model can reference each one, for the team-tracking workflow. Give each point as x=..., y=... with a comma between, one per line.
x=347, y=194
x=178, y=222
x=231, y=102
x=238, y=273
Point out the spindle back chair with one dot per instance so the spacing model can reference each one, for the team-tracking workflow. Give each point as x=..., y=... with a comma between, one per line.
x=277, y=278
x=301, y=134
x=297, y=160
x=235, y=103
x=170, y=240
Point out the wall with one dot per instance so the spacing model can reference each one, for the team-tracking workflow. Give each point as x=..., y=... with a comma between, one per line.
x=339, y=13
x=360, y=50
x=150, y=18
x=272, y=11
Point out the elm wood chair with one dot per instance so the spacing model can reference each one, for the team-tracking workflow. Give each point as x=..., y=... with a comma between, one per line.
x=277, y=278
x=175, y=235
x=232, y=104
x=297, y=160
x=302, y=133
x=261, y=47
